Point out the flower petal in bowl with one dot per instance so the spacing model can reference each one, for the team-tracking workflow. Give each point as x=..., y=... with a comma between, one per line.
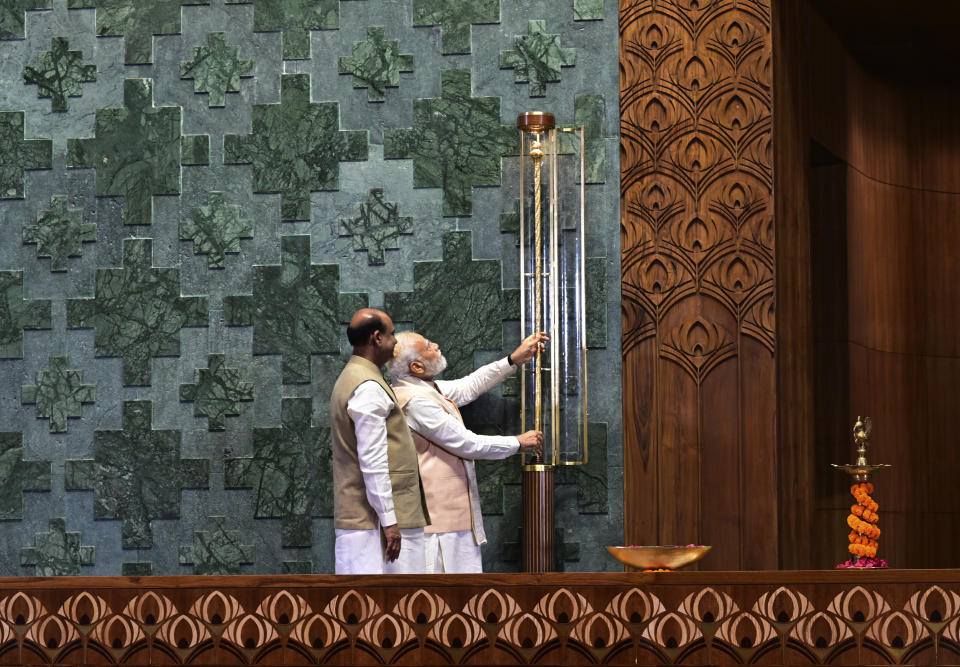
x=655, y=558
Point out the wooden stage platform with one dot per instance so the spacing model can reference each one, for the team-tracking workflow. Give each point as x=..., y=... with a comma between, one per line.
x=697, y=618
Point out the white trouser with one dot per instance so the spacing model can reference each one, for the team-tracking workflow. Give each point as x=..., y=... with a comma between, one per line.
x=361, y=552
x=452, y=553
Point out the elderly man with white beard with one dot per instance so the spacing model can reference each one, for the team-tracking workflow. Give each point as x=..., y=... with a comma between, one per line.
x=446, y=449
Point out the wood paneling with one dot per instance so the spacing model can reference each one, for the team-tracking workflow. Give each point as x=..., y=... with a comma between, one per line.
x=698, y=278
x=795, y=353
x=881, y=306
x=684, y=618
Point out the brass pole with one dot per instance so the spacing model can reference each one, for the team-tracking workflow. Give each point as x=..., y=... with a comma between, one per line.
x=537, y=541
x=536, y=154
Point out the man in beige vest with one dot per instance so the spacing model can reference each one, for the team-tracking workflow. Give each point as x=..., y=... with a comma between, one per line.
x=378, y=506
x=447, y=449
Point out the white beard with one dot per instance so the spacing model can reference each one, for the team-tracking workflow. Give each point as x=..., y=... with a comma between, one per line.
x=435, y=367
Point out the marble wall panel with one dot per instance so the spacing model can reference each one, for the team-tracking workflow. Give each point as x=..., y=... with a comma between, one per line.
x=194, y=197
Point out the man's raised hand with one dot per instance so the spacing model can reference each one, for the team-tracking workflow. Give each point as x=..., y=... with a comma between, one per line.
x=531, y=442
x=529, y=347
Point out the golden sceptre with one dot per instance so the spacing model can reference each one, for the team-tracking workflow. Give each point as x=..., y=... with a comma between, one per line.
x=538, y=122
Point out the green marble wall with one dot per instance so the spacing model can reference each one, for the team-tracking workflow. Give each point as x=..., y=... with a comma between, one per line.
x=195, y=194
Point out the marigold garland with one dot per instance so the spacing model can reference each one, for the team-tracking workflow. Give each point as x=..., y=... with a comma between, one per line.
x=862, y=521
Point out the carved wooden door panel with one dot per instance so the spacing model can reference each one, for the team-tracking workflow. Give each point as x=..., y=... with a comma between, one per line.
x=698, y=278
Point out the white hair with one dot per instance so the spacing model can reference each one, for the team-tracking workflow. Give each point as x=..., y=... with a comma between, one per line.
x=404, y=354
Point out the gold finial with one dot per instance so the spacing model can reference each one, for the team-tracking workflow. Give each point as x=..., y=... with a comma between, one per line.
x=861, y=470
x=861, y=436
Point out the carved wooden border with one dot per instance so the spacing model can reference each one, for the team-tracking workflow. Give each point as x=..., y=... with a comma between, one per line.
x=675, y=618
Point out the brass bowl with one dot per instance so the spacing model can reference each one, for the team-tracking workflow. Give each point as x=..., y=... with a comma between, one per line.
x=657, y=558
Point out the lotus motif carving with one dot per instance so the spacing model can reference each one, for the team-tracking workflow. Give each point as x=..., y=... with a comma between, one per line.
x=183, y=632
x=737, y=201
x=635, y=606
x=150, y=608
x=746, y=630
x=698, y=347
x=562, y=606
x=737, y=113
x=249, y=631
x=117, y=632
x=387, y=631
x=698, y=235
x=735, y=277
x=739, y=36
x=527, y=631
x=283, y=608
x=934, y=605
x=657, y=201
x=654, y=37
x=672, y=630
x=820, y=630
x=897, y=630
x=84, y=608
x=317, y=631
x=491, y=606
x=599, y=630
x=456, y=631
x=352, y=608
x=694, y=155
x=858, y=605
x=649, y=211
x=21, y=609
x=421, y=607
x=216, y=608
x=52, y=632
x=708, y=605
x=656, y=280
x=657, y=115
x=782, y=605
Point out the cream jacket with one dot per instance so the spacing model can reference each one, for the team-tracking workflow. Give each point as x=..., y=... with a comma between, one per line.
x=446, y=449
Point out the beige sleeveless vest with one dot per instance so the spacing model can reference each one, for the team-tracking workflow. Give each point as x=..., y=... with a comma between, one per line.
x=351, y=510
x=449, y=482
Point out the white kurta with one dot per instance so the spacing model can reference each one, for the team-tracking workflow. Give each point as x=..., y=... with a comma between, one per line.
x=361, y=551
x=459, y=551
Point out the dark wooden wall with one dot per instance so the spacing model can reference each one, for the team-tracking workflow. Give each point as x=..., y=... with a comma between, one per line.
x=730, y=420
x=868, y=182
x=698, y=278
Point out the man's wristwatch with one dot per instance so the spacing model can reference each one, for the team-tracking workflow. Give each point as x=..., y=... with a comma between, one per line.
x=511, y=361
